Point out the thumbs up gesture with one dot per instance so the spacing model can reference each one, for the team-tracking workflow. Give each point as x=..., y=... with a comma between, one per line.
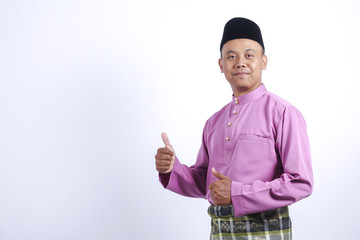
x=220, y=190
x=165, y=157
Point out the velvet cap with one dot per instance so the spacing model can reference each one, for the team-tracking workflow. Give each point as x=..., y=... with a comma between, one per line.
x=241, y=28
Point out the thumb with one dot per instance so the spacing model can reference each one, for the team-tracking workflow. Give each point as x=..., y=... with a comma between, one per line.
x=218, y=175
x=166, y=141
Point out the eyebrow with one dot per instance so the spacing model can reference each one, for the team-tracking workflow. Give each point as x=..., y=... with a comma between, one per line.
x=230, y=51
x=249, y=50
x=245, y=50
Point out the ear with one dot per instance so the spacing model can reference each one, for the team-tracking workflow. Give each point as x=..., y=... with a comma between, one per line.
x=221, y=65
x=264, y=61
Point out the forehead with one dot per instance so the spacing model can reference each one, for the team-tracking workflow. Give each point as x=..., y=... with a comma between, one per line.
x=240, y=45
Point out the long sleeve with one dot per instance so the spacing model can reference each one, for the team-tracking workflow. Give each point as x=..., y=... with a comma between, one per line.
x=296, y=181
x=189, y=181
x=260, y=142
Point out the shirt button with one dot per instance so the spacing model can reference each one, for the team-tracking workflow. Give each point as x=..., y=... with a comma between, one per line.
x=236, y=101
x=227, y=139
x=229, y=124
x=234, y=112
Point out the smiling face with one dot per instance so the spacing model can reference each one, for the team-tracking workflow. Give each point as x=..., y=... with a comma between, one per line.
x=242, y=62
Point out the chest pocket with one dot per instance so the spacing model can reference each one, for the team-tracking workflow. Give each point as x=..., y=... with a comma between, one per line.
x=251, y=151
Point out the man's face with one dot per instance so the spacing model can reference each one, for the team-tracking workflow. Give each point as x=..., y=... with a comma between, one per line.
x=242, y=62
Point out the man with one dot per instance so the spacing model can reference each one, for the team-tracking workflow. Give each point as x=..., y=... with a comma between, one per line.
x=255, y=159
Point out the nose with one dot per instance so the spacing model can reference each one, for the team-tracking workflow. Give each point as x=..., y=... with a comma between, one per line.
x=240, y=63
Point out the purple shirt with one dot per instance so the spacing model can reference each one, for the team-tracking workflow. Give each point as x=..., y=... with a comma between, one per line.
x=260, y=142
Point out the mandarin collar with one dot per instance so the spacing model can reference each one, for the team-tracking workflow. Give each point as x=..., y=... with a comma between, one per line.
x=251, y=96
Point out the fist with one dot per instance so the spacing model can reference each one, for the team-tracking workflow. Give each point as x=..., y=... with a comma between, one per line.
x=165, y=156
x=220, y=190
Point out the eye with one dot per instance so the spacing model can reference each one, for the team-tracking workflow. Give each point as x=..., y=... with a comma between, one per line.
x=231, y=57
x=249, y=55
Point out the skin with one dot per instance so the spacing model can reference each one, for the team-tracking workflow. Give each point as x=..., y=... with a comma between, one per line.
x=165, y=156
x=242, y=62
x=220, y=190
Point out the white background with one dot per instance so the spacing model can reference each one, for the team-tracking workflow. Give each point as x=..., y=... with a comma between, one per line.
x=86, y=88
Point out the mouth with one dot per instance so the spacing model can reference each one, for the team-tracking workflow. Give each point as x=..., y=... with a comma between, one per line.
x=240, y=74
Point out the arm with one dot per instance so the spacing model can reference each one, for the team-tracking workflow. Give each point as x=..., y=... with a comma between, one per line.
x=187, y=181
x=184, y=180
x=295, y=183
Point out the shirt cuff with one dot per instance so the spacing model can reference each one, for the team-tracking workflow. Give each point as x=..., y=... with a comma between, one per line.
x=166, y=177
x=237, y=199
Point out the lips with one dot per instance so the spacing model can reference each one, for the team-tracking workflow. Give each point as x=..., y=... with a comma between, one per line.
x=241, y=73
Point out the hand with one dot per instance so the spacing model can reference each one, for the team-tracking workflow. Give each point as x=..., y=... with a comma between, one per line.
x=220, y=191
x=165, y=157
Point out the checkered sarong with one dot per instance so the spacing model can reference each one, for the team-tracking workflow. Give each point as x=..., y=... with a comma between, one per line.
x=270, y=225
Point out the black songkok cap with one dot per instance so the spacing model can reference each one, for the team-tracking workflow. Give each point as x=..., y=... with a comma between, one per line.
x=241, y=28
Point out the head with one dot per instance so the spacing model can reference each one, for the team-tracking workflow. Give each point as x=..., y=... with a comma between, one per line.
x=242, y=55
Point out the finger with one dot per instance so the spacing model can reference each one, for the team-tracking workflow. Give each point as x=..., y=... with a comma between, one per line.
x=218, y=175
x=165, y=151
x=165, y=139
x=214, y=198
x=160, y=156
x=162, y=169
x=162, y=161
x=163, y=164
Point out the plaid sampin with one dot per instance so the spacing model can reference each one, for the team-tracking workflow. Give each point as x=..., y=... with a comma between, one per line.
x=270, y=225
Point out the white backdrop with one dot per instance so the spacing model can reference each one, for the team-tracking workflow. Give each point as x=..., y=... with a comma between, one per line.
x=86, y=88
